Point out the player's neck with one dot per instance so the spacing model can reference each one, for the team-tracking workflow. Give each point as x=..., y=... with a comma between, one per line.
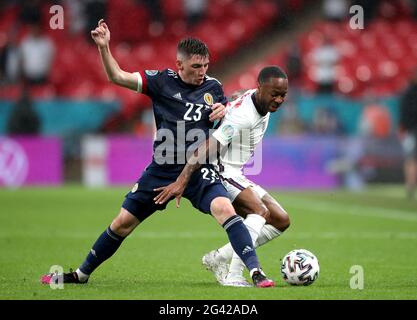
x=257, y=106
x=184, y=80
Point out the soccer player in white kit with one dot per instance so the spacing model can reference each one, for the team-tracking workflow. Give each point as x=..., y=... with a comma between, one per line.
x=241, y=130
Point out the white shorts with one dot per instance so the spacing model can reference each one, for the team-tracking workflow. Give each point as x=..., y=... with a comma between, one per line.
x=409, y=144
x=237, y=182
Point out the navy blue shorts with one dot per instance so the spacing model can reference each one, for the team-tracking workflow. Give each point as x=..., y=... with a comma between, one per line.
x=203, y=187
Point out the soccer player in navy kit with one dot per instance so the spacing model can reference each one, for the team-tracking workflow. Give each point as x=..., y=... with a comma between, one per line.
x=185, y=103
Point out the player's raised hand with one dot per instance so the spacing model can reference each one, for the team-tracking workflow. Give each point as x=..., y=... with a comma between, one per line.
x=101, y=34
x=218, y=112
x=175, y=189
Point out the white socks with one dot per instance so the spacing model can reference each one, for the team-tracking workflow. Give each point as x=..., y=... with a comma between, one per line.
x=82, y=276
x=267, y=233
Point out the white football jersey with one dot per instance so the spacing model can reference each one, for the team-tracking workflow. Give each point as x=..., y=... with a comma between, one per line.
x=241, y=130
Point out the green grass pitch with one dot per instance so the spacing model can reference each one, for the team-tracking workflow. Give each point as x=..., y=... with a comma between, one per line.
x=41, y=227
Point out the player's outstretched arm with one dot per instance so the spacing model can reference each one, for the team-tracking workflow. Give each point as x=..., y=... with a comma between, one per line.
x=205, y=151
x=101, y=36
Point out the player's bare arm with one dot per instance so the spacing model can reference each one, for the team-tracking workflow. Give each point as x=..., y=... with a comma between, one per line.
x=101, y=36
x=176, y=189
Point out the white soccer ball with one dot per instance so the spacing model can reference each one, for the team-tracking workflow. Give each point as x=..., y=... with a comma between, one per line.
x=300, y=267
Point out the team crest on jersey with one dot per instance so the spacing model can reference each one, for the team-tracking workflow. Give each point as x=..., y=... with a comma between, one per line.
x=208, y=98
x=135, y=188
x=151, y=72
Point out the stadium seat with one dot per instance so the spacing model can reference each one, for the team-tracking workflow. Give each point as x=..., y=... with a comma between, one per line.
x=12, y=93
x=8, y=18
x=372, y=59
x=43, y=92
x=172, y=10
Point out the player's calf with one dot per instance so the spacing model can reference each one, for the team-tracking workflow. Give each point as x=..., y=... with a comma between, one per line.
x=237, y=232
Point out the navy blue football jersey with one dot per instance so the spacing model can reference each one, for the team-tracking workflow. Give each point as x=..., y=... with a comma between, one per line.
x=181, y=114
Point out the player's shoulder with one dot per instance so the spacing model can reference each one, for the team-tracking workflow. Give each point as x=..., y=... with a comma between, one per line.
x=243, y=101
x=166, y=73
x=212, y=80
x=242, y=107
x=171, y=73
x=152, y=73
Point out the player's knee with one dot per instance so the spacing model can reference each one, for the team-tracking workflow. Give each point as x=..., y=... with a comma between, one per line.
x=252, y=207
x=279, y=219
x=263, y=211
x=120, y=228
x=285, y=221
x=124, y=223
x=259, y=209
x=221, y=208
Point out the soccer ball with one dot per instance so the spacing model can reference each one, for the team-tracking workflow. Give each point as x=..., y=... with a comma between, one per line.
x=300, y=267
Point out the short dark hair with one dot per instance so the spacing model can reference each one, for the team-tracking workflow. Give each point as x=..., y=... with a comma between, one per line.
x=191, y=46
x=271, y=72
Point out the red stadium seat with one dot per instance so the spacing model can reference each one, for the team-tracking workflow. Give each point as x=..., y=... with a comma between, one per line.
x=8, y=18
x=172, y=10
x=131, y=29
x=43, y=92
x=10, y=92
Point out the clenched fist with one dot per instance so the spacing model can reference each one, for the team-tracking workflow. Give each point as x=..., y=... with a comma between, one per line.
x=101, y=34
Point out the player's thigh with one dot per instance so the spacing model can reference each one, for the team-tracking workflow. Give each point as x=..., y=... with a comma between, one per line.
x=245, y=195
x=139, y=201
x=278, y=217
x=206, y=193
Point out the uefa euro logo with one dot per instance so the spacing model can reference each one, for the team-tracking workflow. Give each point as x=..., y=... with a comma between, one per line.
x=13, y=163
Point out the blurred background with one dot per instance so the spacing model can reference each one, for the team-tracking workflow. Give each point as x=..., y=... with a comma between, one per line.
x=348, y=121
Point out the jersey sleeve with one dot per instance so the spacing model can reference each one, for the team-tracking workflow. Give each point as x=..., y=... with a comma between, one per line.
x=220, y=95
x=151, y=82
x=216, y=89
x=232, y=125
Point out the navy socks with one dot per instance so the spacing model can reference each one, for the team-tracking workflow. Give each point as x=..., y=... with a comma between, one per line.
x=105, y=246
x=239, y=237
x=241, y=241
